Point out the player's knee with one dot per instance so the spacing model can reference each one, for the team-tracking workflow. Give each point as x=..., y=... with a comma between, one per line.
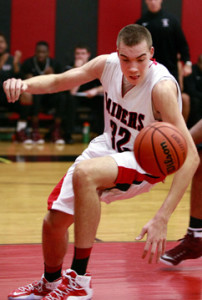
x=83, y=174
x=56, y=221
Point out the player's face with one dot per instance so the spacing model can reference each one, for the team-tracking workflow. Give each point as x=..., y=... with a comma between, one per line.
x=3, y=45
x=135, y=61
x=82, y=54
x=41, y=53
x=154, y=5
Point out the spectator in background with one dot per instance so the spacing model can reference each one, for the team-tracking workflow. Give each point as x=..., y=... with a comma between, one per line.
x=93, y=89
x=9, y=67
x=168, y=38
x=32, y=105
x=193, y=87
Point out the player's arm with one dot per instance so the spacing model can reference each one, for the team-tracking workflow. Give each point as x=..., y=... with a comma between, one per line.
x=165, y=101
x=53, y=83
x=164, y=98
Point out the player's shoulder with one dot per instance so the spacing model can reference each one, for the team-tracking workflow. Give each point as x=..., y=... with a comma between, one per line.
x=164, y=85
x=103, y=60
x=158, y=70
x=163, y=80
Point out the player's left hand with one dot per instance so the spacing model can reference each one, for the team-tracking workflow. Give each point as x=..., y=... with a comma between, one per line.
x=156, y=230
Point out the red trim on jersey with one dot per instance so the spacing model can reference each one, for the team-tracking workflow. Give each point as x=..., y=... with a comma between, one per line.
x=126, y=175
x=55, y=193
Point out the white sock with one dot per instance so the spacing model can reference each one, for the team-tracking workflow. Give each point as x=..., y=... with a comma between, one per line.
x=21, y=125
x=196, y=231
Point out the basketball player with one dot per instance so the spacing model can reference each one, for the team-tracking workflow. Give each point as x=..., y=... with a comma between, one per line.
x=138, y=91
x=190, y=247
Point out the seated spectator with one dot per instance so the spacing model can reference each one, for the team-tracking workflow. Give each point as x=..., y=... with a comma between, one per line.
x=32, y=105
x=93, y=89
x=9, y=67
x=193, y=87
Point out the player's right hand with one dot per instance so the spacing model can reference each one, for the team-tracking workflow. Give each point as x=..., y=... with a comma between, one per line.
x=13, y=88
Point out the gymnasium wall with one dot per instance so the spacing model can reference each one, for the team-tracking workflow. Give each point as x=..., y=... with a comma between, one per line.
x=64, y=23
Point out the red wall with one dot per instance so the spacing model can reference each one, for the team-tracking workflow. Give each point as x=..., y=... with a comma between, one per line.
x=32, y=20
x=192, y=26
x=112, y=16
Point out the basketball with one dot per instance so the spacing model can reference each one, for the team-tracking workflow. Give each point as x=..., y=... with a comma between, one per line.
x=160, y=149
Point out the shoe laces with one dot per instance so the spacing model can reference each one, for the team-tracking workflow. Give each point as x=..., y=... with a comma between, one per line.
x=32, y=286
x=183, y=247
x=64, y=288
x=185, y=239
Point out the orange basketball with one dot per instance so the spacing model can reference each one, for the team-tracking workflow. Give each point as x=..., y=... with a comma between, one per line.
x=160, y=149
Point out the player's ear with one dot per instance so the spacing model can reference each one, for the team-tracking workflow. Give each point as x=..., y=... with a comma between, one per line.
x=151, y=52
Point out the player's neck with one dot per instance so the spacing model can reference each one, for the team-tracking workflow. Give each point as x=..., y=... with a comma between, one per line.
x=126, y=86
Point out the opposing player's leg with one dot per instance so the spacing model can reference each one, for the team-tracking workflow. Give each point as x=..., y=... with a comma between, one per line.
x=190, y=246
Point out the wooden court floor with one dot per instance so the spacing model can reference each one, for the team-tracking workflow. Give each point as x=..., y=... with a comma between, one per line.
x=27, y=177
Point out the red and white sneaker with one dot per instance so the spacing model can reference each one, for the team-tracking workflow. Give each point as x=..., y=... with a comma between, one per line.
x=35, y=290
x=72, y=287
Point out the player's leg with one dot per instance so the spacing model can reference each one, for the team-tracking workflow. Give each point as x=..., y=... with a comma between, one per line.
x=196, y=188
x=89, y=177
x=55, y=241
x=190, y=246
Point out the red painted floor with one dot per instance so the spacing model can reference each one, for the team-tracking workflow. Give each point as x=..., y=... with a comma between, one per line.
x=118, y=272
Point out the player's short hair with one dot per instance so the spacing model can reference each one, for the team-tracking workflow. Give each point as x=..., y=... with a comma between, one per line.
x=134, y=34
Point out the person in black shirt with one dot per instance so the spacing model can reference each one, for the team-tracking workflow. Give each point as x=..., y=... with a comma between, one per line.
x=168, y=37
x=78, y=97
x=193, y=87
x=32, y=105
x=9, y=67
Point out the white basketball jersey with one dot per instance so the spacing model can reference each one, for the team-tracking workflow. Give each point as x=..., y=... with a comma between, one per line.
x=126, y=115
